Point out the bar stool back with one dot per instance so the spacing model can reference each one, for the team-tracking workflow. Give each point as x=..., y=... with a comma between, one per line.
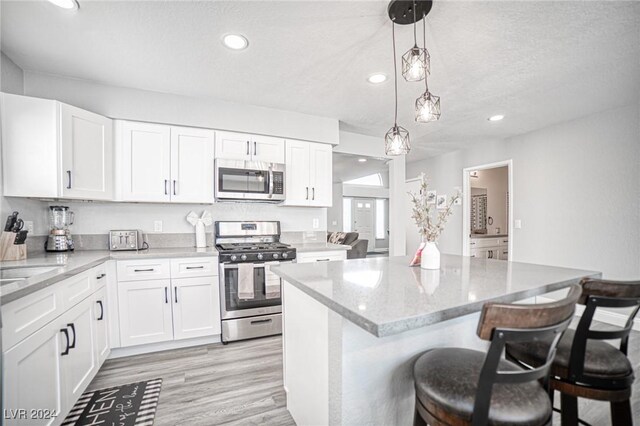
x=456, y=386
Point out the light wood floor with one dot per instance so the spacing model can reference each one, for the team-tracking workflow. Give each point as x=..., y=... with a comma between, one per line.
x=241, y=384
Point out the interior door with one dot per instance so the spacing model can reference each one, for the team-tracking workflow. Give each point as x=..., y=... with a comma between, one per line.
x=32, y=375
x=297, y=175
x=362, y=216
x=321, y=174
x=267, y=149
x=145, y=312
x=192, y=172
x=196, y=307
x=233, y=146
x=87, y=154
x=146, y=161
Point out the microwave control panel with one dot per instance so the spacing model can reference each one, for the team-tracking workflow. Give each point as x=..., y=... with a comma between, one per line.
x=278, y=183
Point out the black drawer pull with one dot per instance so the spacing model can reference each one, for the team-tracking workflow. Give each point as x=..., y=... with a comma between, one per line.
x=175, y=291
x=195, y=267
x=73, y=328
x=144, y=270
x=323, y=260
x=166, y=295
x=101, y=276
x=262, y=321
x=101, y=317
x=66, y=349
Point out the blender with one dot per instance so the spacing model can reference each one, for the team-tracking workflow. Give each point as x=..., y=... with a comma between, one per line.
x=60, y=218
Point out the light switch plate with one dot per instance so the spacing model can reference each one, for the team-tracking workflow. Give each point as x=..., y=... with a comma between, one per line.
x=157, y=226
x=517, y=223
x=316, y=223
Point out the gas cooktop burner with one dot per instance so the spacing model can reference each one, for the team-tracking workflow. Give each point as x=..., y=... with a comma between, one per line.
x=252, y=246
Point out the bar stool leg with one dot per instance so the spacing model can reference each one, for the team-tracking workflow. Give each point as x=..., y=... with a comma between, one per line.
x=417, y=418
x=621, y=413
x=569, y=407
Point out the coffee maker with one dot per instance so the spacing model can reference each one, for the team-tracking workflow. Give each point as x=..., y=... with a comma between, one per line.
x=60, y=218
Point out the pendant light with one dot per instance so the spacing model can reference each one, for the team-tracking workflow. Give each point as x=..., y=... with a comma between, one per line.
x=416, y=62
x=396, y=141
x=427, y=105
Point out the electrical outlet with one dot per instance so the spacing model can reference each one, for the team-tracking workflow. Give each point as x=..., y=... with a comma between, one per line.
x=157, y=226
x=316, y=223
x=517, y=223
x=28, y=225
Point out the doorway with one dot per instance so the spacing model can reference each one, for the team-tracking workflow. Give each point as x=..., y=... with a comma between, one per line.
x=488, y=211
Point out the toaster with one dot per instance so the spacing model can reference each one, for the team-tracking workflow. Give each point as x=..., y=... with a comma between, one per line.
x=126, y=240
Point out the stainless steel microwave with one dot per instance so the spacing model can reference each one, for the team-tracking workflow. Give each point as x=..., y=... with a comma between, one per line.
x=248, y=180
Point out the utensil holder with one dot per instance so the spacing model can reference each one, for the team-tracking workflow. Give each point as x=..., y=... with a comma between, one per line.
x=10, y=251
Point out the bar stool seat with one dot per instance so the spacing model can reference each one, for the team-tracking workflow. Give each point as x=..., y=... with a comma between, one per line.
x=601, y=358
x=446, y=383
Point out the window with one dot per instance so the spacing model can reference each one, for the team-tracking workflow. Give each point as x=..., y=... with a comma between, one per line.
x=346, y=214
x=371, y=180
x=381, y=232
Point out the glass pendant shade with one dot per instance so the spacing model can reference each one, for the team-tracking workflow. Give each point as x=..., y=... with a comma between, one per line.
x=415, y=64
x=396, y=141
x=427, y=108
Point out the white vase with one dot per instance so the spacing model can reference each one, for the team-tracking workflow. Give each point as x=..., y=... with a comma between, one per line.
x=430, y=256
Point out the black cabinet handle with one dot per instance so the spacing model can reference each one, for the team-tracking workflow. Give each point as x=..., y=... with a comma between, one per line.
x=101, y=317
x=69, y=176
x=262, y=321
x=194, y=267
x=248, y=147
x=66, y=349
x=313, y=191
x=307, y=192
x=101, y=276
x=73, y=328
x=166, y=191
x=166, y=295
x=175, y=291
x=323, y=260
x=255, y=148
x=144, y=270
x=174, y=187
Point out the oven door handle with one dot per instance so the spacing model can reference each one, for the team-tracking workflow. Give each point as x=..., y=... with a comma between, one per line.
x=270, y=180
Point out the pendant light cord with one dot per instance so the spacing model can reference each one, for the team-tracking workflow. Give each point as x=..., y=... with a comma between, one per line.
x=395, y=71
x=415, y=40
x=424, y=40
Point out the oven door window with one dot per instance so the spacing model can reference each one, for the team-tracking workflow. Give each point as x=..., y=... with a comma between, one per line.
x=243, y=181
x=259, y=300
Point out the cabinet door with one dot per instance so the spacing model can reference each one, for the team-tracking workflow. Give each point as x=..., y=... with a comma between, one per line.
x=192, y=165
x=87, y=154
x=101, y=321
x=233, y=146
x=196, y=307
x=80, y=365
x=297, y=187
x=267, y=149
x=144, y=157
x=321, y=176
x=32, y=376
x=145, y=312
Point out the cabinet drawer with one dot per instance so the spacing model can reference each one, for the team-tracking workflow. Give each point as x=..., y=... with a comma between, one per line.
x=77, y=288
x=194, y=267
x=24, y=316
x=100, y=275
x=503, y=242
x=328, y=256
x=148, y=269
x=484, y=242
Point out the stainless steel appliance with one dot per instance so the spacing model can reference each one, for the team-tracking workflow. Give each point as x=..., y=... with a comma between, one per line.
x=60, y=219
x=247, y=180
x=250, y=298
x=126, y=240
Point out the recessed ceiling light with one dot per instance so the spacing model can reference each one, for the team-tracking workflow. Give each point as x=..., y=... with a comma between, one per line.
x=65, y=4
x=362, y=160
x=377, y=78
x=235, y=41
x=496, y=117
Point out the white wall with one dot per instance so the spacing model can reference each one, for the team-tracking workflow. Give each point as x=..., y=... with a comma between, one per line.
x=576, y=190
x=334, y=213
x=11, y=76
x=496, y=183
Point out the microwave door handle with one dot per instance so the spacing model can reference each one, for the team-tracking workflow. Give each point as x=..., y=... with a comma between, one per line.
x=270, y=181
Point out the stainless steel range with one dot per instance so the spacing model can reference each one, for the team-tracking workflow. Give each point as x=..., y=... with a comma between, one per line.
x=250, y=294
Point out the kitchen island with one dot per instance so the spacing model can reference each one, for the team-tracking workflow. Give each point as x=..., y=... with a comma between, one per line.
x=352, y=329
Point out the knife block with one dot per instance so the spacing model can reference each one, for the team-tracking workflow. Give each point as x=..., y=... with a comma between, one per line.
x=10, y=251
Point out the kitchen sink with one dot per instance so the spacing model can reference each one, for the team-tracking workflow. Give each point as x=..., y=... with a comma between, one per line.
x=16, y=273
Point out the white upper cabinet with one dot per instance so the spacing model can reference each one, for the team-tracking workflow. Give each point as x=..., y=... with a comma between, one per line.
x=309, y=174
x=192, y=165
x=54, y=150
x=164, y=163
x=242, y=146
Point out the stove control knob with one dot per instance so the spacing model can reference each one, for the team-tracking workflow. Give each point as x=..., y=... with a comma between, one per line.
x=260, y=256
x=285, y=255
x=275, y=255
x=233, y=257
x=243, y=257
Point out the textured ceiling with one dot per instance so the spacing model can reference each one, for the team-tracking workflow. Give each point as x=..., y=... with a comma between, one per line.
x=537, y=62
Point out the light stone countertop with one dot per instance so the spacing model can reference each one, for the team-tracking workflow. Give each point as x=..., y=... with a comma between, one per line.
x=311, y=247
x=385, y=296
x=68, y=264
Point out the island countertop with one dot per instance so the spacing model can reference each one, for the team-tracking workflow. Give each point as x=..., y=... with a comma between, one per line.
x=385, y=296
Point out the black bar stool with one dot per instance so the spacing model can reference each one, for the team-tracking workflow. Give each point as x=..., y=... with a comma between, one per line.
x=456, y=386
x=585, y=366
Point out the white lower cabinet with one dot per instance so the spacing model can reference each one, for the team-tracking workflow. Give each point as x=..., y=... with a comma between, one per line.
x=145, y=312
x=195, y=308
x=321, y=256
x=101, y=320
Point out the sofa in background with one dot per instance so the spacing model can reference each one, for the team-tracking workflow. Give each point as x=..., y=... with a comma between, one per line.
x=358, y=247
